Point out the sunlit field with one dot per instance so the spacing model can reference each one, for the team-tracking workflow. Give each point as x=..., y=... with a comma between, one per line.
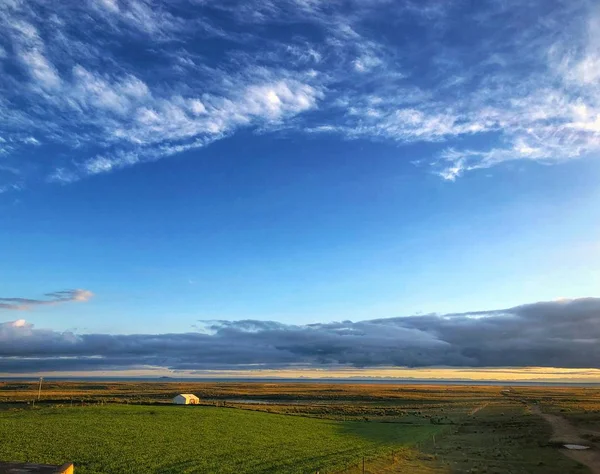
x=140, y=439
x=296, y=428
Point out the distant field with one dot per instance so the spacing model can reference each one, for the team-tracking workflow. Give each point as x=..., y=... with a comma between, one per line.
x=166, y=439
x=162, y=392
x=130, y=427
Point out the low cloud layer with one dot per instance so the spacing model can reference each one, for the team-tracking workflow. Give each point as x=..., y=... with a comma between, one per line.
x=56, y=297
x=546, y=334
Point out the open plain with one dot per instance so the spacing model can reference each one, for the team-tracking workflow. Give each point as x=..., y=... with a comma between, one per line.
x=131, y=427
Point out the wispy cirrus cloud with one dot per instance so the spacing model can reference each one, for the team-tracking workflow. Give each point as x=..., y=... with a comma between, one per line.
x=117, y=83
x=56, y=297
x=563, y=333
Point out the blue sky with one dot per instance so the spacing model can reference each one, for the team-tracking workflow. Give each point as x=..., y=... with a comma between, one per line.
x=296, y=162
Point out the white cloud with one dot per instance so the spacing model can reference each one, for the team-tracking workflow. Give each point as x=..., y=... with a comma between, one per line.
x=30, y=50
x=532, y=87
x=40, y=69
x=82, y=295
x=31, y=141
x=175, y=118
x=91, y=90
x=167, y=121
x=99, y=164
x=145, y=16
x=147, y=116
x=112, y=5
x=57, y=297
x=586, y=71
x=277, y=100
x=197, y=107
x=63, y=176
x=366, y=63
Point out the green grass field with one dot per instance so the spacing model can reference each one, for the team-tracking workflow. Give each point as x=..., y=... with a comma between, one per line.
x=130, y=427
x=166, y=439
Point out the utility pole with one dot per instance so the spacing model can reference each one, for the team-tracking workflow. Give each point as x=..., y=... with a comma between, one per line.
x=40, y=388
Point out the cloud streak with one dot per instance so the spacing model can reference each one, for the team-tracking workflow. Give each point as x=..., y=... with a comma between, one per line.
x=56, y=297
x=121, y=83
x=562, y=333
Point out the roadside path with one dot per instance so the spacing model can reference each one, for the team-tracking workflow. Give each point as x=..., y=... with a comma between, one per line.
x=480, y=407
x=564, y=432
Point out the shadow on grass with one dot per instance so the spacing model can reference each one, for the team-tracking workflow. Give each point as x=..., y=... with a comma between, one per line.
x=392, y=434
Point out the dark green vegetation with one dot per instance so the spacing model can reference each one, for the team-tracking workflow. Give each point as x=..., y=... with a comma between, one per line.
x=130, y=427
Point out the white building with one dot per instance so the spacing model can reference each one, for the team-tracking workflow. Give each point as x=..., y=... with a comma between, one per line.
x=186, y=399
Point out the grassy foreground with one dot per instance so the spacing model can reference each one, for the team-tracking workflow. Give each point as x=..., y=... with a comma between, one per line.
x=131, y=427
x=167, y=439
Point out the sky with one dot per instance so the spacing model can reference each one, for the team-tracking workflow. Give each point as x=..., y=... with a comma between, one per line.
x=299, y=185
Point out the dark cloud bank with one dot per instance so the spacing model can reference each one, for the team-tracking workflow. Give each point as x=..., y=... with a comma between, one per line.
x=547, y=334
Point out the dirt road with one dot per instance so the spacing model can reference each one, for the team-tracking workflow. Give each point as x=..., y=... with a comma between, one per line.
x=476, y=409
x=564, y=432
